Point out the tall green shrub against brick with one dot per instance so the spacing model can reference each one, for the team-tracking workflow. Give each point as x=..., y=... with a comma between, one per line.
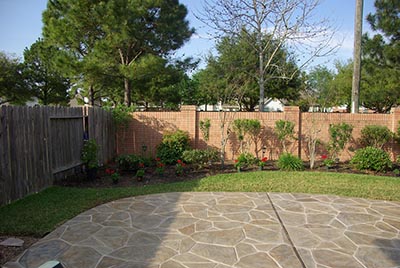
x=285, y=132
x=172, y=146
x=339, y=135
x=375, y=136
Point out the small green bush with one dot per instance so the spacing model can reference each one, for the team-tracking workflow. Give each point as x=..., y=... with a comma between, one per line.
x=131, y=161
x=89, y=154
x=375, y=136
x=245, y=160
x=200, y=157
x=289, y=162
x=173, y=145
x=371, y=158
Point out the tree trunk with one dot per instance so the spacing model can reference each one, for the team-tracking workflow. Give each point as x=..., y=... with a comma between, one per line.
x=261, y=81
x=127, y=93
x=91, y=95
x=355, y=92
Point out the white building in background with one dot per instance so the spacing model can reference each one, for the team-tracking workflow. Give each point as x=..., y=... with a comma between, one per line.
x=272, y=105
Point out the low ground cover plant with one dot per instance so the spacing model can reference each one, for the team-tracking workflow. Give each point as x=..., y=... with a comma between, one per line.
x=130, y=162
x=201, y=158
x=245, y=160
x=289, y=162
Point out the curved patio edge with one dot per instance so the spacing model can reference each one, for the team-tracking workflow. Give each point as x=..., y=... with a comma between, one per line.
x=226, y=229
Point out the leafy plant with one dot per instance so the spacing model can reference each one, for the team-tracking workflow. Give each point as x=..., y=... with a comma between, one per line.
x=371, y=158
x=89, y=154
x=115, y=177
x=245, y=160
x=200, y=157
x=339, y=136
x=121, y=114
x=179, y=167
x=243, y=127
x=205, y=128
x=285, y=132
x=140, y=173
x=172, y=146
x=289, y=162
x=160, y=166
x=128, y=161
x=262, y=162
x=375, y=136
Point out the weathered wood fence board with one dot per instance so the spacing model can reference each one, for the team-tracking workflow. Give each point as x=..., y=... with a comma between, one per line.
x=38, y=144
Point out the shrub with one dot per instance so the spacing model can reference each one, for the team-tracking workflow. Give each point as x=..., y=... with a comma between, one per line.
x=205, y=128
x=371, y=158
x=289, y=162
x=246, y=128
x=200, y=157
x=172, y=146
x=285, y=132
x=375, y=136
x=339, y=136
x=131, y=161
x=89, y=154
x=245, y=160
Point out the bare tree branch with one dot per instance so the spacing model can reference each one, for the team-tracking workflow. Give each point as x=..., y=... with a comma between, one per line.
x=277, y=24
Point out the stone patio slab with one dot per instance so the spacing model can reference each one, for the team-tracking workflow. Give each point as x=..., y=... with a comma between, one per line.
x=220, y=230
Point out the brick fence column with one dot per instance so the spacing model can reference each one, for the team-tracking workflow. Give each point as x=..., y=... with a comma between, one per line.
x=395, y=118
x=189, y=114
x=293, y=114
x=395, y=112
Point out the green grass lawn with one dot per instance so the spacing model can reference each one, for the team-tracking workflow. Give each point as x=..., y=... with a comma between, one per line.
x=40, y=213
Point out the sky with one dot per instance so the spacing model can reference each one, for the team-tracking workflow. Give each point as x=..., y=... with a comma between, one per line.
x=21, y=25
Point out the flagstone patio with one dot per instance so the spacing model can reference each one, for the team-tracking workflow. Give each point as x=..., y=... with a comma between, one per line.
x=220, y=230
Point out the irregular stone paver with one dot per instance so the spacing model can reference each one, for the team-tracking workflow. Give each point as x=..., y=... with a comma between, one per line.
x=334, y=231
x=12, y=242
x=221, y=230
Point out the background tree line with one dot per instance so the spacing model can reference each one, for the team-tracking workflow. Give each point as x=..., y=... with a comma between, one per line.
x=122, y=52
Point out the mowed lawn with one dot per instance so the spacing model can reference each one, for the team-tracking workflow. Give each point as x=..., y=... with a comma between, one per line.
x=38, y=214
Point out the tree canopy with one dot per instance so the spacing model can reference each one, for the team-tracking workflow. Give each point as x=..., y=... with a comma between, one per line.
x=235, y=71
x=13, y=85
x=103, y=40
x=272, y=26
x=46, y=84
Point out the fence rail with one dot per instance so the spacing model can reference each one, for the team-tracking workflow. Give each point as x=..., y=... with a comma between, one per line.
x=40, y=144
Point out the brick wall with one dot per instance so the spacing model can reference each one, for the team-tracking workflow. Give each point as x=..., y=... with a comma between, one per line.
x=147, y=128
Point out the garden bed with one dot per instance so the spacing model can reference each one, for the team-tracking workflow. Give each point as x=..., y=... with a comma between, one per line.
x=151, y=177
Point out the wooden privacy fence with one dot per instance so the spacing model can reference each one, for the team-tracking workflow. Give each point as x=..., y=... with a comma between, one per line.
x=40, y=144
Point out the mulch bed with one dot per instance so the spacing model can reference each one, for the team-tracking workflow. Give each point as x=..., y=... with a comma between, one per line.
x=11, y=253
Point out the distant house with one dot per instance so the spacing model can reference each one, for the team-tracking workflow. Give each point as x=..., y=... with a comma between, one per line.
x=272, y=105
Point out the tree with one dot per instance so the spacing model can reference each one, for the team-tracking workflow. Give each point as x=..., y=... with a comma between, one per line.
x=270, y=26
x=381, y=60
x=13, y=86
x=319, y=81
x=339, y=93
x=102, y=36
x=74, y=28
x=45, y=82
x=237, y=65
x=137, y=28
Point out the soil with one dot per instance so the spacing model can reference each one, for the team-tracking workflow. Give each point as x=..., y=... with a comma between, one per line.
x=128, y=179
x=11, y=253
